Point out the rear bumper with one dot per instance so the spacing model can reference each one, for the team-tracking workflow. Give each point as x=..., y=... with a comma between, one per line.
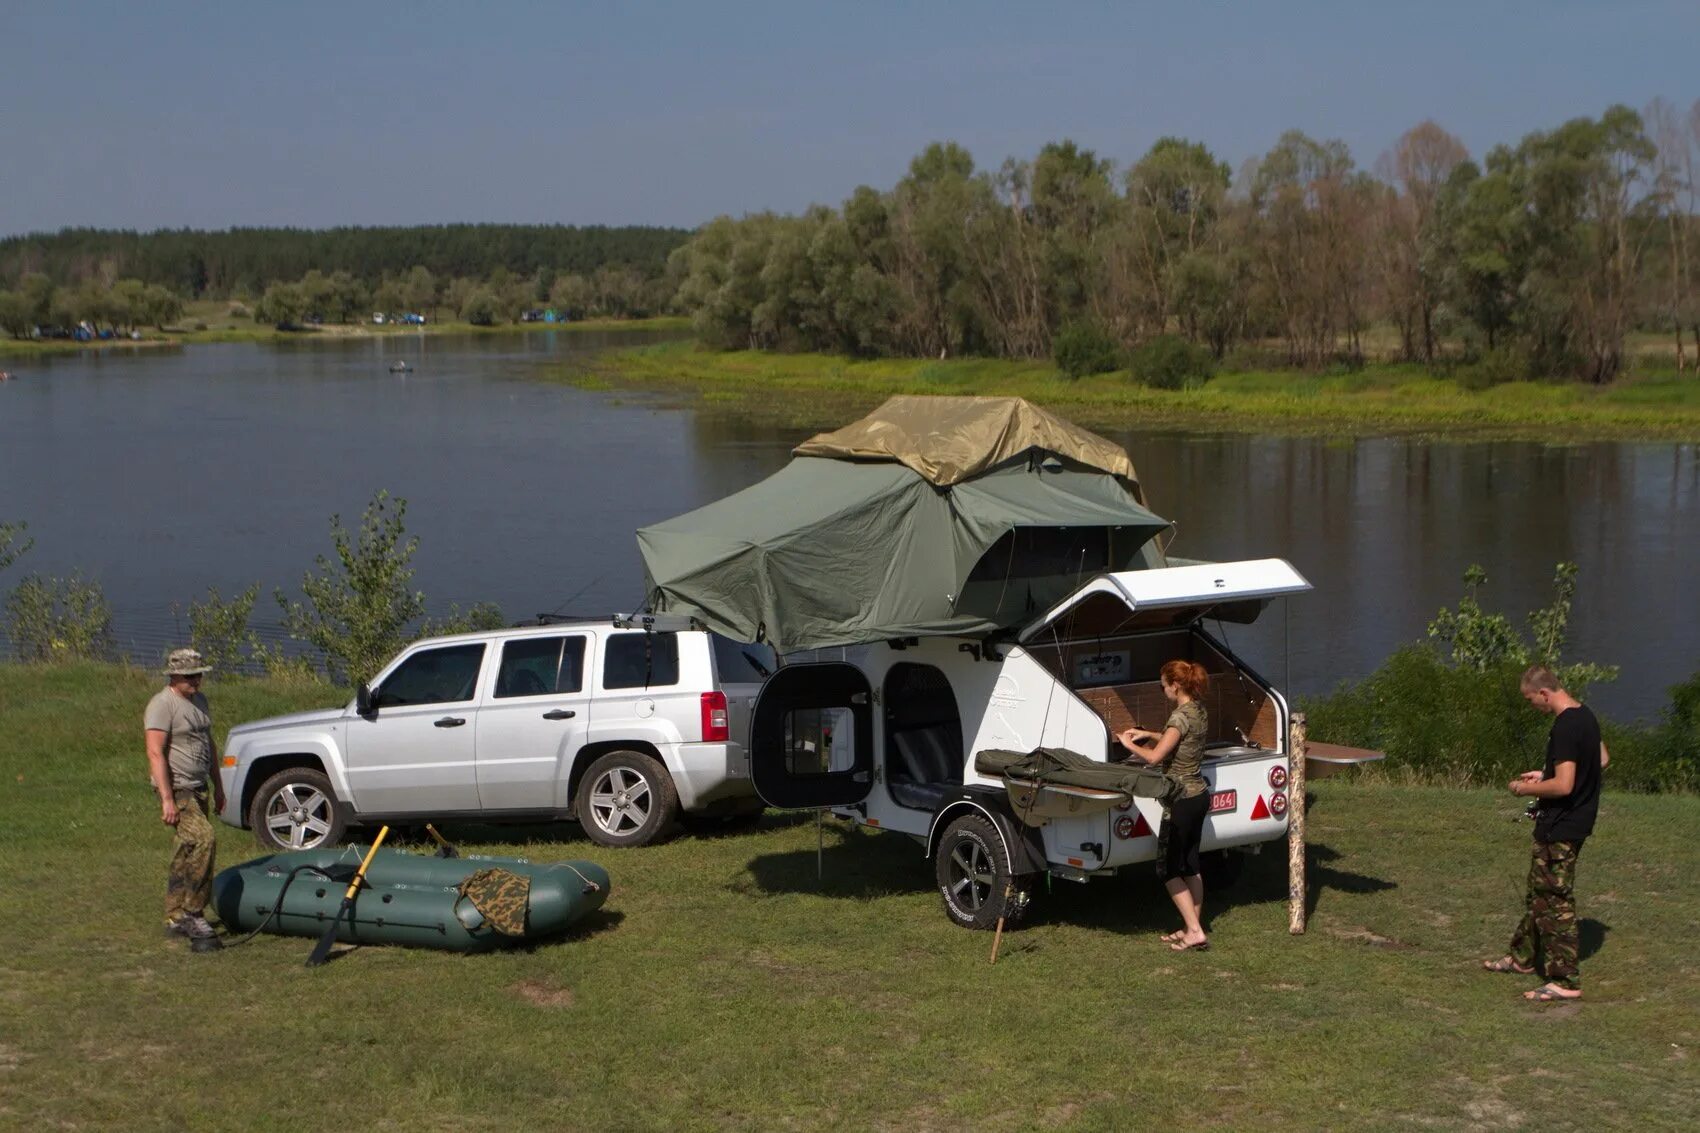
x=705, y=773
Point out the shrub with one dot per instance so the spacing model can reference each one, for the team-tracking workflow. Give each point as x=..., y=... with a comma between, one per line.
x=1494, y=368
x=1083, y=348
x=219, y=629
x=1171, y=362
x=359, y=606
x=59, y=619
x=13, y=545
x=482, y=616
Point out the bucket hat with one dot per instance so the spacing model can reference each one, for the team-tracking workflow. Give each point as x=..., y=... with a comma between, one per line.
x=186, y=663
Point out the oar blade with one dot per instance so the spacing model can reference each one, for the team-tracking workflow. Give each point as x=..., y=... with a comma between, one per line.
x=322, y=950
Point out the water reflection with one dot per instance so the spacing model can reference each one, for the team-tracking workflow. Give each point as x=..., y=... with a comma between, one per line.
x=164, y=471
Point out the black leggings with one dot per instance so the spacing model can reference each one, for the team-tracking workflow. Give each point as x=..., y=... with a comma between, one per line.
x=1177, y=844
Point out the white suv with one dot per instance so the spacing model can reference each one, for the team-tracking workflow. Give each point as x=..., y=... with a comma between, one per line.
x=620, y=728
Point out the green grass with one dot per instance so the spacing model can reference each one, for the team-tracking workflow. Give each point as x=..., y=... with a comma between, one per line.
x=819, y=390
x=724, y=987
x=221, y=326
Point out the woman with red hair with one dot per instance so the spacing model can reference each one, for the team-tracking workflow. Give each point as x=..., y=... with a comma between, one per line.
x=1179, y=750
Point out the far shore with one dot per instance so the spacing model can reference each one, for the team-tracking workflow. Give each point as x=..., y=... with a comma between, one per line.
x=238, y=330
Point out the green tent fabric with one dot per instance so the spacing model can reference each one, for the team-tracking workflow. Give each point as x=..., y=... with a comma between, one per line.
x=839, y=552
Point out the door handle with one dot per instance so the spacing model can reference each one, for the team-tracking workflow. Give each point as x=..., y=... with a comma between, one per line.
x=560, y=714
x=448, y=722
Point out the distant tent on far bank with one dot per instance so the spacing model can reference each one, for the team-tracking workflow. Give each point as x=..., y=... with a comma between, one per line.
x=932, y=515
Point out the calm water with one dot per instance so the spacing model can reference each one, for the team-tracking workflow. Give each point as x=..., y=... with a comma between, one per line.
x=164, y=472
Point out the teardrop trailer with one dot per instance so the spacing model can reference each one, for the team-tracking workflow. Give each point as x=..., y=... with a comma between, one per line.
x=957, y=576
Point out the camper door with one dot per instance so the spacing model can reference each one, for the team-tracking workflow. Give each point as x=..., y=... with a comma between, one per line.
x=812, y=737
x=1134, y=601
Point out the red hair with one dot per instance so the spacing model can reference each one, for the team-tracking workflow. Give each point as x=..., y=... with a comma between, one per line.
x=1188, y=676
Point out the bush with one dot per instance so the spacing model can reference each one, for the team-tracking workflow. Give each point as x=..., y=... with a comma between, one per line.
x=219, y=629
x=1171, y=362
x=1083, y=348
x=59, y=619
x=358, y=607
x=13, y=545
x=482, y=616
x=1495, y=368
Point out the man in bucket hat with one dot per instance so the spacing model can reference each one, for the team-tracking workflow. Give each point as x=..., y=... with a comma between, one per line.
x=183, y=761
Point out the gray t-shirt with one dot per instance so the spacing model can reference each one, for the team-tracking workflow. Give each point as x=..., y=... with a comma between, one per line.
x=187, y=724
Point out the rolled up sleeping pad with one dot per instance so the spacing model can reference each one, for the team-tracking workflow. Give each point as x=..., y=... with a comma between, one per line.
x=406, y=899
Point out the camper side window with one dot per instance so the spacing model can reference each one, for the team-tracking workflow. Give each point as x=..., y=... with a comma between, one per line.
x=819, y=741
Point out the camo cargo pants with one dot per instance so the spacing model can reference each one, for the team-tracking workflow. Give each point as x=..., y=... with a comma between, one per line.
x=188, y=881
x=1548, y=930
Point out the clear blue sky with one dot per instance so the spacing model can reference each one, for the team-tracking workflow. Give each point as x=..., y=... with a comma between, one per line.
x=143, y=115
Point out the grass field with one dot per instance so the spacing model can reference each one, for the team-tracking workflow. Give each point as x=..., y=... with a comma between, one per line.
x=807, y=390
x=725, y=987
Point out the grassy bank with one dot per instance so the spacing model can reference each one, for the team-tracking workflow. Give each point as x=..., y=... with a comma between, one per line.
x=220, y=326
x=809, y=390
x=724, y=987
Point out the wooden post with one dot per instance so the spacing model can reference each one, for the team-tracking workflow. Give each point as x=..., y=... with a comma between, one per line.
x=1296, y=826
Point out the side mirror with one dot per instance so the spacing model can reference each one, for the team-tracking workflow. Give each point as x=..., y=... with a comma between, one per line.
x=363, y=700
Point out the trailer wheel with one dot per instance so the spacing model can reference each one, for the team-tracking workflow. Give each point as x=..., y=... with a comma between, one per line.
x=974, y=875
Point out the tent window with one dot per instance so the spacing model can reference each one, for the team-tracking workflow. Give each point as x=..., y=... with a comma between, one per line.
x=1029, y=568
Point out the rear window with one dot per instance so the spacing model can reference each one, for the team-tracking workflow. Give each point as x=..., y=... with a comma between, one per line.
x=641, y=660
x=736, y=662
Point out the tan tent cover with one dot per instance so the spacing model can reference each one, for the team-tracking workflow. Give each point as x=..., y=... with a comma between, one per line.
x=949, y=439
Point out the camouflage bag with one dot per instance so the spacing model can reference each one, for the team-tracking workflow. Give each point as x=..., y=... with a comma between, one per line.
x=501, y=897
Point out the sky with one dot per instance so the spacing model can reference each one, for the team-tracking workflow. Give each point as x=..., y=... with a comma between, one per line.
x=173, y=114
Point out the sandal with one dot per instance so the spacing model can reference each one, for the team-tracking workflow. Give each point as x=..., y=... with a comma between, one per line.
x=1551, y=993
x=1171, y=937
x=1183, y=946
x=1507, y=965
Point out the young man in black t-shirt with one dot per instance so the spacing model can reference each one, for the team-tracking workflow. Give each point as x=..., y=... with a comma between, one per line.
x=1568, y=794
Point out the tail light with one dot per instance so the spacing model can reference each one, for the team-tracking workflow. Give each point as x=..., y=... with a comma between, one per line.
x=1278, y=777
x=1124, y=826
x=714, y=726
x=1278, y=804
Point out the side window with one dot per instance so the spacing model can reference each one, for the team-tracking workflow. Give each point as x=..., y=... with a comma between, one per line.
x=641, y=660
x=433, y=676
x=537, y=666
x=739, y=663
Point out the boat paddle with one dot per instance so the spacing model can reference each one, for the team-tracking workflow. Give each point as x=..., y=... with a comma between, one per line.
x=322, y=950
x=445, y=848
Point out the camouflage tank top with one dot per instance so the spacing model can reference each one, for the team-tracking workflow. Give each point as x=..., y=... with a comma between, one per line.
x=1186, y=762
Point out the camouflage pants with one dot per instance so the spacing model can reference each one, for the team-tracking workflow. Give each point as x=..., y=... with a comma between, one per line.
x=1548, y=930
x=188, y=881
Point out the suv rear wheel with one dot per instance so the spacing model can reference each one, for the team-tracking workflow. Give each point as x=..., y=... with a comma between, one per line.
x=297, y=810
x=626, y=798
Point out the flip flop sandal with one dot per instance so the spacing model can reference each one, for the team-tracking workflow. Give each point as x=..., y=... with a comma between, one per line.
x=1183, y=946
x=1507, y=965
x=1172, y=937
x=1546, y=993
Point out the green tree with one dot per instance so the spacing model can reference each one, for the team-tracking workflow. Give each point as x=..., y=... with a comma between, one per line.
x=284, y=305
x=15, y=317
x=219, y=629
x=359, y=605
x=482, y=308
x=13, y=543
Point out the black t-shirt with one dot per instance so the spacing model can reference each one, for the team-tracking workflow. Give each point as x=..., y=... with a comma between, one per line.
x=1575, y=738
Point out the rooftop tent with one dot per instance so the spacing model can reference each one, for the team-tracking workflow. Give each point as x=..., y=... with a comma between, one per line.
x=930, y=516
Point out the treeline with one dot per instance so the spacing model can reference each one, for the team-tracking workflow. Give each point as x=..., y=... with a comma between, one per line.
x=611, y=291
x=1539, y=259
x=243, y=262
x=128, y=303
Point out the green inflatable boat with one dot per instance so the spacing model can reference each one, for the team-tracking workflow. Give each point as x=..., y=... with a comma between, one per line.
x=462, y=904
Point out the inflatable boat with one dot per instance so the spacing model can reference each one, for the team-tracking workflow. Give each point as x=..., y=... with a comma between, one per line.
x=461, y=904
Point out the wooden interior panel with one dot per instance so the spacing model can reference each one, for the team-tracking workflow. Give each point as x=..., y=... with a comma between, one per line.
x=1227, y=705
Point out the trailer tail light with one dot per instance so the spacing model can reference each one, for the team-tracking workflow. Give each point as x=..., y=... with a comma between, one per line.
x=714, y=726
x=1278, y=777
x=1124, y=826
x=1278, y=804
x=1132, y=826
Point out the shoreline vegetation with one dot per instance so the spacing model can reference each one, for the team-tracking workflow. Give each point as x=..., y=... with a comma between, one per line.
x=211, y=327
x=1379, y=398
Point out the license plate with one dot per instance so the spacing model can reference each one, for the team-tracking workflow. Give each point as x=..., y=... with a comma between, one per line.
x=1224, y=801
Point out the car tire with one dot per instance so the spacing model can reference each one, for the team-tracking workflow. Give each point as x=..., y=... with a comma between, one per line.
x=296, y=809
x=974, y=876
x=626, y=798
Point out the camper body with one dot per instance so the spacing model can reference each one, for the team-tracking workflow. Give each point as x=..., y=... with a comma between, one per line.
x=886, y=733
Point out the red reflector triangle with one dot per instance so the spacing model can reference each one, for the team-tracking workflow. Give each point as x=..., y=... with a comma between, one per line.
x=1141, y=828
x=1261, y=810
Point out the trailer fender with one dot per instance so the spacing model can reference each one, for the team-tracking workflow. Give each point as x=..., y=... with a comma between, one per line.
x=1022, y=843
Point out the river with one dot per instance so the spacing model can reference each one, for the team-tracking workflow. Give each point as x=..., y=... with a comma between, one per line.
x=161, y=472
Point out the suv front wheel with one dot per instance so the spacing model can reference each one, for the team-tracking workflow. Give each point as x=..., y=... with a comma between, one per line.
x=626, y=798
x=297, y=810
